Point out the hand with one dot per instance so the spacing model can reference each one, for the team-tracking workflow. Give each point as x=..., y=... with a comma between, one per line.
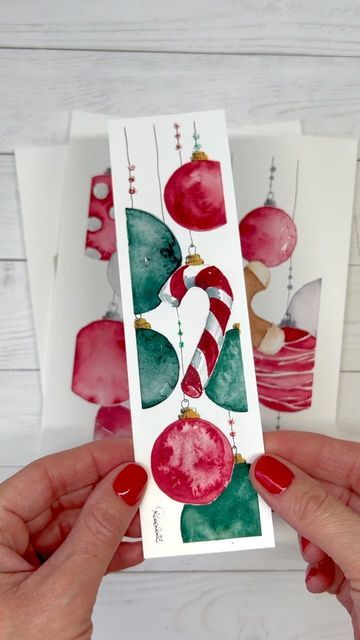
x=71, y=510
x=313, y=482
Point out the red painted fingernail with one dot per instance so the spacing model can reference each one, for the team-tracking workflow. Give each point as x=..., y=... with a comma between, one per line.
x=325, y=568
x=274, y=476
x=304, y=543
x=130, y=482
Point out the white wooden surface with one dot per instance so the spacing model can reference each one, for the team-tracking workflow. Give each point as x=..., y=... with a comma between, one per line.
x=264, y=60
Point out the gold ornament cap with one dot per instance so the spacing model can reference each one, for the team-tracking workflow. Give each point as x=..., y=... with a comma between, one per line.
x=238, y=459
x=194, y=259
x=237, y=326
x=188, y=413
x=199, y=155
x=141, y=323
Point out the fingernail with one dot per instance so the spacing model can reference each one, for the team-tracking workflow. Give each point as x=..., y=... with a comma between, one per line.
x=325, y=568
x=304, y=542
x=129, y=483
x=274, y=476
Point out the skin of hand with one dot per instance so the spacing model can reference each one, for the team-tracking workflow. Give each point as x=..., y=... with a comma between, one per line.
x=313, y=482
x=71, y=510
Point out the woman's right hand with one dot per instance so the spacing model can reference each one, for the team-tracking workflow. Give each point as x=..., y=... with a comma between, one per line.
x=313, y=482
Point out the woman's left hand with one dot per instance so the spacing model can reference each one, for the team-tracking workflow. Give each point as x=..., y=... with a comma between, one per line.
x=62, y=519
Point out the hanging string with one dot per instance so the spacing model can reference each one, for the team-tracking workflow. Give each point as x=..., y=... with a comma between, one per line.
x=180, y=333
x=158, y=173
x=287, y=317
x=131, y=168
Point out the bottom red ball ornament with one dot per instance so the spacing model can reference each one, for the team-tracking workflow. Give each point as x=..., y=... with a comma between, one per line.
x=192, y=461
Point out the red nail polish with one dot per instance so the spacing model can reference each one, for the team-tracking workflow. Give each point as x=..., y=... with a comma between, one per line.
x=130, y=482
x=304, y=543
x=272, y=474
x=325, y=568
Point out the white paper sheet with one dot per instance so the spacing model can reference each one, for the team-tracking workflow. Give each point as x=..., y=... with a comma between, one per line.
x=323, y=215
x=41, y=173
x=155, y=161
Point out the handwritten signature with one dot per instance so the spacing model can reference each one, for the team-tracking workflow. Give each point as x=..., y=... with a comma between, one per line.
x=158, y=514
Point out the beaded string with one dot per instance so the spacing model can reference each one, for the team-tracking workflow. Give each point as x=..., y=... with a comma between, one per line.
x=180, y=333
x=178, y=145
x=270, y=198
x=131, y=169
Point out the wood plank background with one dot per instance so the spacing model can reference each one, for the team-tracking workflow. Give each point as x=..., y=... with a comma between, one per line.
x=263, y=61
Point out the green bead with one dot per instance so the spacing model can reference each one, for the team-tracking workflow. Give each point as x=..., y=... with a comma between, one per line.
x=181, y=345
x=234, y=514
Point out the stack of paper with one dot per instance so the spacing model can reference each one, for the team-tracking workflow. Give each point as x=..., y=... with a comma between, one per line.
x=157, y=197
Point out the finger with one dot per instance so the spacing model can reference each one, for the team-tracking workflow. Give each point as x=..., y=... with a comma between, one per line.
x=323, y=576
x=57, y=475
x=128, y=554
x=310, y=551
x=310, y=510
x=97, y=533
x=320, y=456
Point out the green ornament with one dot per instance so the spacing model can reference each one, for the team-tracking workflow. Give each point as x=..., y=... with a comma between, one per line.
x=234, y=514
x=154, y=255
x=226, y=386
x=158, y=367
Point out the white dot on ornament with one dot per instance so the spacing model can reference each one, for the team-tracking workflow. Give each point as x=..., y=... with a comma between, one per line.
x=112, y=213
x=101, y=191
x=94, y=224
x=92, y=253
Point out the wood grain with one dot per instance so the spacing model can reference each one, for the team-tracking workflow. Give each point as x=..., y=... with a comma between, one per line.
x=286, y=27
x=326, y=96
x=213, y=606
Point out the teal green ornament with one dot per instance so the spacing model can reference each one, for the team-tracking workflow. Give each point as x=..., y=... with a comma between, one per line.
x=226, y=386
x=234, y=514
x=154, y=255
x=158, y=365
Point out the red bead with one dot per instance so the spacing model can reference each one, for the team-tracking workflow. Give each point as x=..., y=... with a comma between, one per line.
x=233, y=434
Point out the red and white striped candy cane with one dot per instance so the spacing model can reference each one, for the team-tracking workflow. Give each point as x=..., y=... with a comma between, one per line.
x=217, y=287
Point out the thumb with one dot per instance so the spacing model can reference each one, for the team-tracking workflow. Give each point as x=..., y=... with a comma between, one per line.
x=102, y=523
x=306, y=505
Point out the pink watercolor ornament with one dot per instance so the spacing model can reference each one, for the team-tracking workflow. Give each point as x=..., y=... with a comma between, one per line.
x=113, y=422
x=268, y=234
x=285, y=379
x=192, y=460
x=194, y=194
x=101, y=237
x=100, y=373
x=209, y=278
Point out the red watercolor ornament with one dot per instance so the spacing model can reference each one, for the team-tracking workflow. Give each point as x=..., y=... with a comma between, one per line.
x=101, y=237
x=100, y=373
x=113, y=422
x=194, y=194
x=192, y=460
x=285, y=379
x=268, y=234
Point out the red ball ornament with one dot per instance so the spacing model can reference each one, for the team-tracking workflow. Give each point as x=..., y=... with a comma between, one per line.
x=113, y=422
x=194, y=195
x=100, y=373
x=267, y=235
x=192, y=461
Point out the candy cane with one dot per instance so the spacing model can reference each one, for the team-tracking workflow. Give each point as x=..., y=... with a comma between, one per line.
x=217, y=287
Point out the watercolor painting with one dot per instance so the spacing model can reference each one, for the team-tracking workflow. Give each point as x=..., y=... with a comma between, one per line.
x=113, y=421
x=101, y=236
x=234, y=514
x=100, y=371
x=284, y=351
x=194, y=454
